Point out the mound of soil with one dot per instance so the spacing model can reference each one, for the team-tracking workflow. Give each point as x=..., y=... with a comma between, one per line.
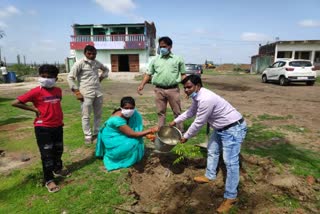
x=161, y=187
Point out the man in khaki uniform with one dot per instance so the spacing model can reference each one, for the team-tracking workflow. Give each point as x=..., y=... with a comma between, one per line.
x=84, y=80
x=166, y=71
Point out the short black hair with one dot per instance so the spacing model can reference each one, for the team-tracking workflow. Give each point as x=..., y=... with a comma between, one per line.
x=195, y=79
x=166, y=40
x=90, y=48
x=49, y=69
x=126, y=100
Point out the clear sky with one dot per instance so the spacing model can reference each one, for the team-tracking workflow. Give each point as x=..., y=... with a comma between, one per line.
x=225, y=31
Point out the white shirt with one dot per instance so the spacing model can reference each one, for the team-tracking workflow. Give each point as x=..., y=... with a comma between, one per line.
x=3, y=70
x=86, y=73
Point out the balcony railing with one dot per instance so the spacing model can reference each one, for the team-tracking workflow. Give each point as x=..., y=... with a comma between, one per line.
x=106, y=38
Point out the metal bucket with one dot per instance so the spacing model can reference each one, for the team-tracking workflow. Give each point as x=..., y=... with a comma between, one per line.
x=167, y=138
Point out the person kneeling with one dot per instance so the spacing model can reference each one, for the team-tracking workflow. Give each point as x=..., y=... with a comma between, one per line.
x=120, y=141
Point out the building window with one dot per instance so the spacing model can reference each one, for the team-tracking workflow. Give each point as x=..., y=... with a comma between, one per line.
x=302, y=55
x=284, y=54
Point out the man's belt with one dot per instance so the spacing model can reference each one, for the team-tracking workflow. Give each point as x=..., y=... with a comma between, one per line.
x=166, y=87
x=232, y=124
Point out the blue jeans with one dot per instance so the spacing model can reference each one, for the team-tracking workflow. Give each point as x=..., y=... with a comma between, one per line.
x=229, y=142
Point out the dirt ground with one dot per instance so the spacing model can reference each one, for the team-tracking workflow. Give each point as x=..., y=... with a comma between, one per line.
x=161, y=187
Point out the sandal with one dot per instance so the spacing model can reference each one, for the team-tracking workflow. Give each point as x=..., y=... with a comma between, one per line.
x=62, y=173
x=54, y=188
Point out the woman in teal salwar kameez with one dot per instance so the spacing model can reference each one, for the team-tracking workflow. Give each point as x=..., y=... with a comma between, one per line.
x=120, y=141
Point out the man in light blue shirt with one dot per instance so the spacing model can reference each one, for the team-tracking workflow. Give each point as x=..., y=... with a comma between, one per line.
x=229, y=132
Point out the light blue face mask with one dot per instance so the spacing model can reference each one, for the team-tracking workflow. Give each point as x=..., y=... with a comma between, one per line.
x=164, y=51
x=193, y=95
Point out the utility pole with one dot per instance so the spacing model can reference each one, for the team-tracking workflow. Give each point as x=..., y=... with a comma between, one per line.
x=24, y=59
x=18, y=59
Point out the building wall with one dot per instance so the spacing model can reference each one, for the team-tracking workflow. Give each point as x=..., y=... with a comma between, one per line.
x=104, y=56
x=298, y=47
x=310, y=47
x=259, y=61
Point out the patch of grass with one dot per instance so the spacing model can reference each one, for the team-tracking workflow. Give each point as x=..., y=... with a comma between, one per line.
x=286, y=201
x=302, y=162
x=294, y=128
x=11, y=115
x=214, y=72
x=268, y=143
x=21, y=128
x=259, y=132
x=88, y=189
x=273, y=117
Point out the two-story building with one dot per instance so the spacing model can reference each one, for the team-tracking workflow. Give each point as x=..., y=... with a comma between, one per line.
x=120, y=47
x=299, y=49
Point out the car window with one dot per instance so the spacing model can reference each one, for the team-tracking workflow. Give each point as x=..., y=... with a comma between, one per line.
x=275, y=65
x=281, y=64
x=300, y=64
x=188, y=66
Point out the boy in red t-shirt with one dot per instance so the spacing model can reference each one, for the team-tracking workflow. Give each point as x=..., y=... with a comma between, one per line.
x=48, y=124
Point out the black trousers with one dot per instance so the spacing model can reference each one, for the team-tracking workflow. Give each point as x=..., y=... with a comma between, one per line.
x=50, y=143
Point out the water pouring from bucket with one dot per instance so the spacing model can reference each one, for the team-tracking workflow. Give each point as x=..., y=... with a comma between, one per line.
x=167, y=138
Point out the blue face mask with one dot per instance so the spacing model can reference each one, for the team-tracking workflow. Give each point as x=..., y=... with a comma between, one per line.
x=193, y=95
x=164, y=51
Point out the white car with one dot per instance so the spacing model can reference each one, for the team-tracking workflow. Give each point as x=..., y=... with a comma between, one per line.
x=285, y=71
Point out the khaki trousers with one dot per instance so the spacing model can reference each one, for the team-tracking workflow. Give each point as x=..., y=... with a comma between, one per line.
x=162, y=98
x=86, y=107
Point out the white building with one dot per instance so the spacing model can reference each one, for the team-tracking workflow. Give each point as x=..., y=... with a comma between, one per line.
x=299, y=49
x=125, y=48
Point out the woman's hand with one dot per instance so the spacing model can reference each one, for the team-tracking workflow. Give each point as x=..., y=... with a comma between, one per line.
x=151, y=137
x=154, y=129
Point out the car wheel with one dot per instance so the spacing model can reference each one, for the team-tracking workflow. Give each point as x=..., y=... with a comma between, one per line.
x=283, y=81
x=264, y=79
x=311, y=83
